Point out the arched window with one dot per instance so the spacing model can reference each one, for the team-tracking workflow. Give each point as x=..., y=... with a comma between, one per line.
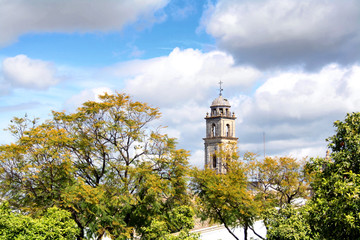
x=228, y=130
x=214, y=161
x=213, y=130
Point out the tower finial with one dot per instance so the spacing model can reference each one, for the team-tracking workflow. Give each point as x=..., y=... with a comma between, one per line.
x=220, y=88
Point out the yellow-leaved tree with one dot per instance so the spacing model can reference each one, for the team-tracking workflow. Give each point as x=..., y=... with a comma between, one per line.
x=227, y=198
x=107, y=164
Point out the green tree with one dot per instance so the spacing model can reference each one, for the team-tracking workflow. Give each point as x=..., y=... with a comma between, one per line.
x=182, y=220
x=226, y=198
x=335, y=206
x=54, y=224
x=287, y=223
x=107, y=164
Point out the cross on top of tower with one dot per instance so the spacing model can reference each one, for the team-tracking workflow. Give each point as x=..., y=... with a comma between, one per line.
x=220, y=88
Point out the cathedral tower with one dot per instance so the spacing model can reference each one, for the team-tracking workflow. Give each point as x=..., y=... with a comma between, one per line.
x=220, y=131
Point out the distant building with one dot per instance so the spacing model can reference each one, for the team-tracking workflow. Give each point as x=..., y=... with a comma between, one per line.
x=220, y=133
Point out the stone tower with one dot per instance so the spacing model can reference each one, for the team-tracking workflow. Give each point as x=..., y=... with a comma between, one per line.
x=220, y=132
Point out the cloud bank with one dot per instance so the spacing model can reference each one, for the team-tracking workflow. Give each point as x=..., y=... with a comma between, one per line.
x=295, y=109
x=275, y=33
x=183, y=75
x=32, y=16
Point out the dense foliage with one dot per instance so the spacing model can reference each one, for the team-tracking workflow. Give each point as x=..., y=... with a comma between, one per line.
x=226, y=198
x=106, y=164
x=55, y=224
x=334, y=209
x=287, y=223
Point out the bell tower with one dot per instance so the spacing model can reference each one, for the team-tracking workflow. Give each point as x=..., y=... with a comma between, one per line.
x=220, y=132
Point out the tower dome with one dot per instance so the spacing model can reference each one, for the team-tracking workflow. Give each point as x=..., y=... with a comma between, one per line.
x=220, y=102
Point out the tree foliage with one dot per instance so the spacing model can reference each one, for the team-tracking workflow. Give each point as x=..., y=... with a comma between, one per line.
x=54, y=224
x=226, y=198
x=334, y=209
x=287, y=223
x=182, y=221
x=281, y=180
x=106, y=163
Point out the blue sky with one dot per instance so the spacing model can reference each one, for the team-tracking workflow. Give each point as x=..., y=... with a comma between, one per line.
x=290, y=68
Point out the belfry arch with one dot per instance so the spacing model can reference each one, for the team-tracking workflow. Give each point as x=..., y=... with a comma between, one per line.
x=214, y=163
x=213, y=130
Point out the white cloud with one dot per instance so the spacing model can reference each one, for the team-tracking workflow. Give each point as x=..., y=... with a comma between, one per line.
x=197, y=158
x=21, y=71
x=86, y=95
x=183, y=84
x=24, y=16
x=187, y=120
x=183, y=75
x=296, y=110
x=285, y=32
x=310, y=95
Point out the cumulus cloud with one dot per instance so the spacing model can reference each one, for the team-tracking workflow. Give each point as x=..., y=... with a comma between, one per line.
x=197, y=158
x=183, y=84
x=23, y=16
x=274, y=33
x=187, y=124
x=21, y=71
x=296, y=110
x=4, y=86
x=181, y=76
x=303, y=96
x=86, y=95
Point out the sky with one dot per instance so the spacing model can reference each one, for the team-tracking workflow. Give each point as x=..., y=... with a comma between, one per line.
x=289, y=68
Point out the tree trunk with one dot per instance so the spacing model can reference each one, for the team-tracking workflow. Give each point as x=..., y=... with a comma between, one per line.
x=252, y=229
x=245, y=231
x=81, y=235
x=229, y=230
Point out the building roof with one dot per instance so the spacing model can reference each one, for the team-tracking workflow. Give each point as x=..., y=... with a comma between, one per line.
x=220, y=102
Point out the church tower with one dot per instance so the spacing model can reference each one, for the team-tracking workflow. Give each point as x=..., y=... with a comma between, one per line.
x=220, y=132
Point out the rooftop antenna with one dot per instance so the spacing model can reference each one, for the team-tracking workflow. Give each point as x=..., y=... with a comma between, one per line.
x=220, y=94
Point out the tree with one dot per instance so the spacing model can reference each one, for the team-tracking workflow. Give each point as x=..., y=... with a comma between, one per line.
x=281, y=180
x=333, y=210
x=335, y=206
x=106, y=163
x=55, y=224
x=182, y=220
x=35, y=171
x=287, y=223
x=226, y=198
